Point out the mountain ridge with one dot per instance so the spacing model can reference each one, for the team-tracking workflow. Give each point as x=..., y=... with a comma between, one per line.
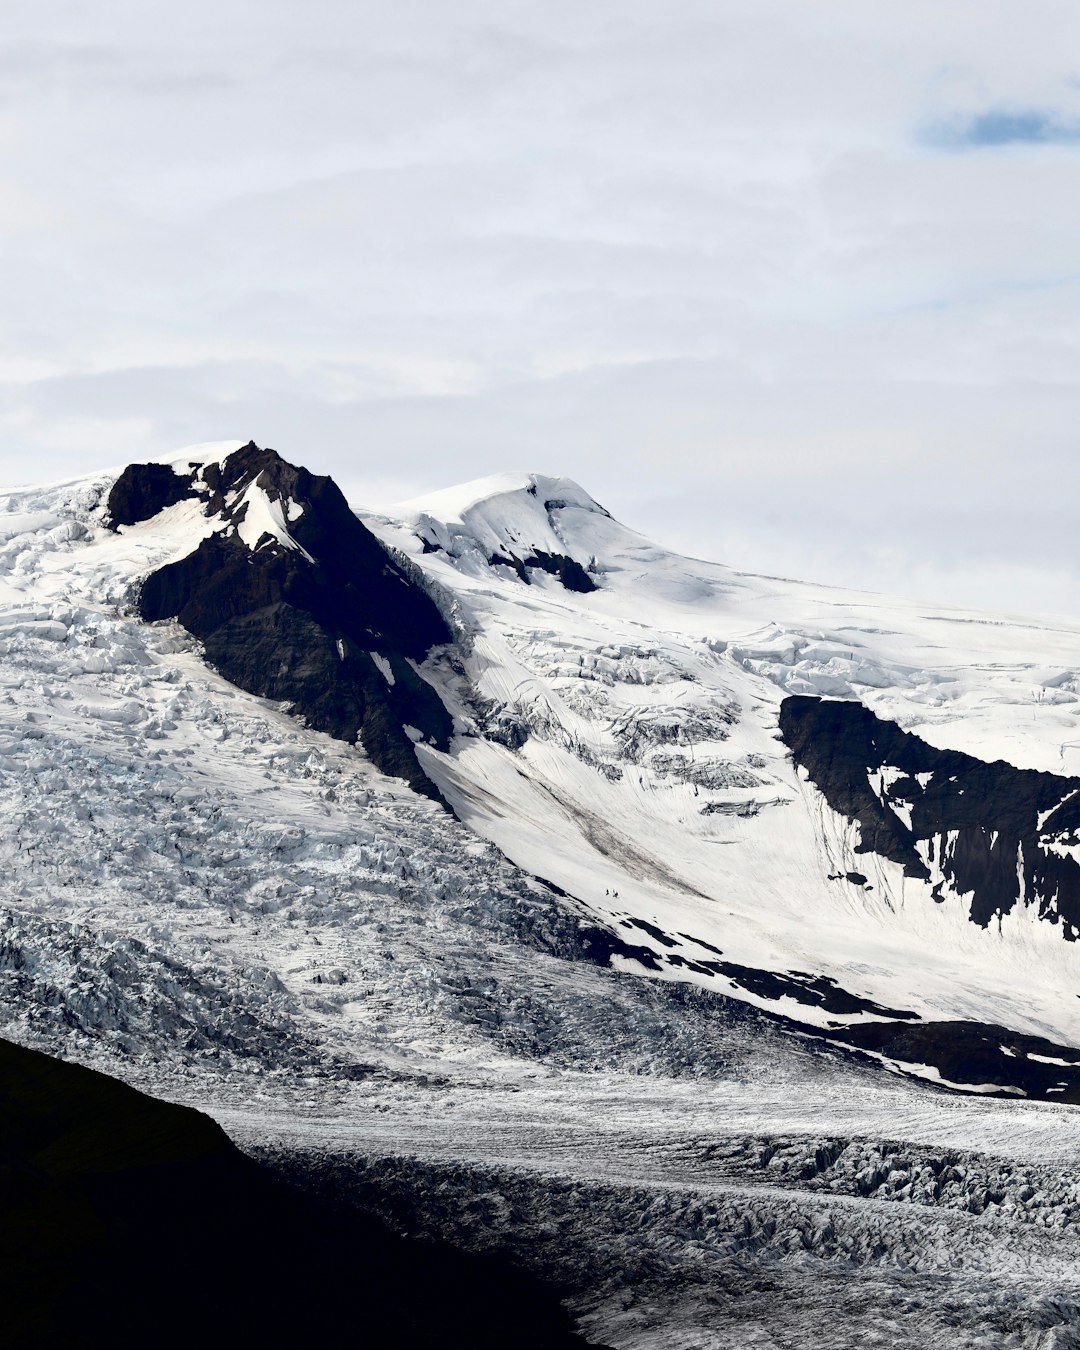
x=125, y=1219
x=598, y=737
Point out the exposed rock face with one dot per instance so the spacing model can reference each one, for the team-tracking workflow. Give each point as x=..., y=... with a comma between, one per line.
x=813, y=990
x=143, y=491
x=1001, y=835
x=972, y=1052
x=568, y=570
x=294, y=599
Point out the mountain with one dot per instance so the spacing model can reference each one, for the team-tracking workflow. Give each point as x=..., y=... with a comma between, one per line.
x=293, y=599
x=702, y=941
x=686, y=770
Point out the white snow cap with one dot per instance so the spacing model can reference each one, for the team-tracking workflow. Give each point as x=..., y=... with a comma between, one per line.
x=453, y=504
x=517, y=513
x=203, y=453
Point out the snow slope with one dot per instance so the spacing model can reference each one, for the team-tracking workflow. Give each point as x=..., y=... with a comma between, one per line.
x=626, y=749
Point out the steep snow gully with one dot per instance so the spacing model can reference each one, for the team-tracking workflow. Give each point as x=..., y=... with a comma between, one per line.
x=703, y=942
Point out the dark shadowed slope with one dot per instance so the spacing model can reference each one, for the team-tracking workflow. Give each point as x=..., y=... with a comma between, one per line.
x=126, y=1221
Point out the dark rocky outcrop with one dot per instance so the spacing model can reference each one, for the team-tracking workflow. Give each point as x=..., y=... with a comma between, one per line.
x=817, y=991
x=975, y=1054
x=814, y=991
x=568, y=570
x=127, y=1221
x=145, y=490
x=989, y=829
x=325, y=619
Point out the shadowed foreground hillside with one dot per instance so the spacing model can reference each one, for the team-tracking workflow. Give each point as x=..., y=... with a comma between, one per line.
x=126, y=1221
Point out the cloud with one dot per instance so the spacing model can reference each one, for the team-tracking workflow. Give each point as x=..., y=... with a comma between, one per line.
x=693, y=257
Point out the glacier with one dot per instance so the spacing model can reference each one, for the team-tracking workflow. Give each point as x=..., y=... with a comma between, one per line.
x=470, y=1019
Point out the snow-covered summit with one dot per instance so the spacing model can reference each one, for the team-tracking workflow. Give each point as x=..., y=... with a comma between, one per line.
x=529, y=523
x=498, y=496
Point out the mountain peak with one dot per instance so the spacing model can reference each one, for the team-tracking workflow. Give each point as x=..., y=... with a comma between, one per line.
x=293, y=598
x=496, y=491
x=528, y=522
x=250, y=492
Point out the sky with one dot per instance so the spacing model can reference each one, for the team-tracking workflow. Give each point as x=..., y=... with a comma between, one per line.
x=790, y=285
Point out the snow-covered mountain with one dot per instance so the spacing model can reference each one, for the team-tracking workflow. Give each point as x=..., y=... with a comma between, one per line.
x=635, y=715
x=489, y=834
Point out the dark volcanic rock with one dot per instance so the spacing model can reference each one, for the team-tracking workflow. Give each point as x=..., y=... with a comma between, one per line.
x=993, y=831
x=303, y=615
x=143, y=490
x=568, y=570
x=997, y=835
x=971, y=1053
x=815, y=991
x=126, y=1221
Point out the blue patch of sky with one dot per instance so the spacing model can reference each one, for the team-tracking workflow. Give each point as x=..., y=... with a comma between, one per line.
x=975, y=296
x=999, y=126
